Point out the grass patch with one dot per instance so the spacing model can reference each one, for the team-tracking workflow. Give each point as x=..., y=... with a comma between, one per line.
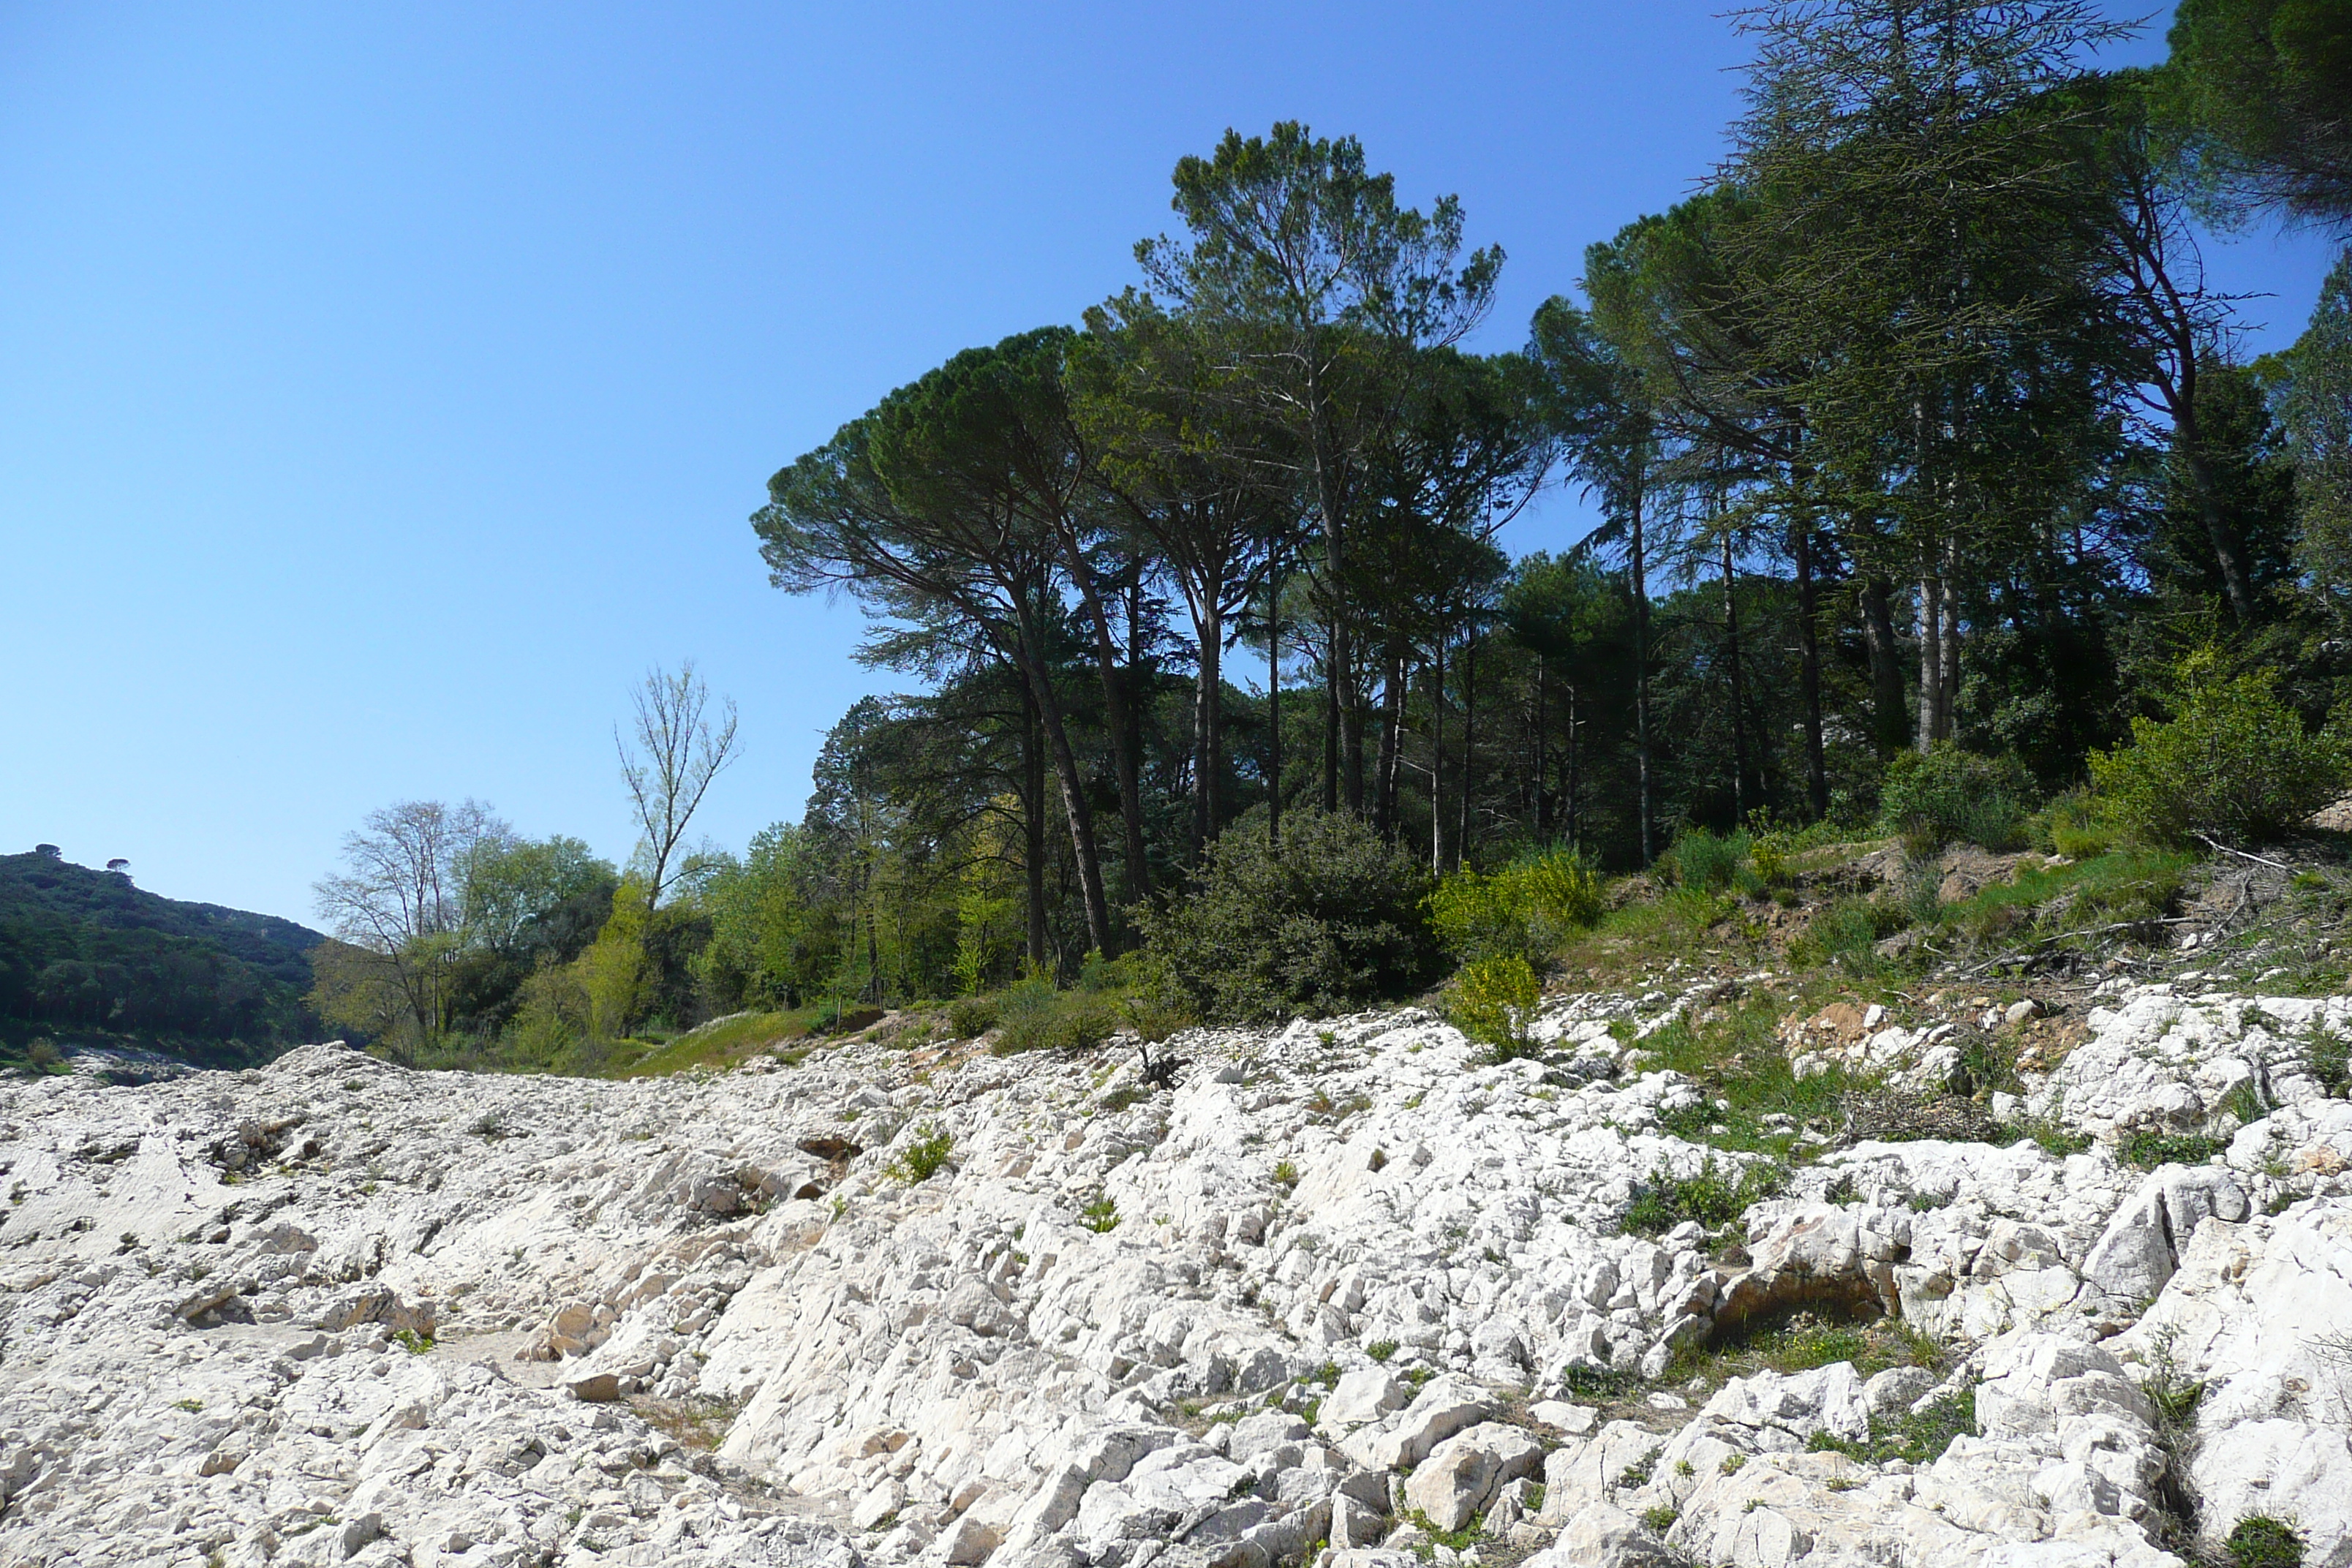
x=1916, y=1437
x=1634, y=943
x=2259, y=1541
x=924, y=1157
x=1715, y=1196
x=2079, y=902
x=720, y=1044
x=2150, y=1148
x=1734, y=1055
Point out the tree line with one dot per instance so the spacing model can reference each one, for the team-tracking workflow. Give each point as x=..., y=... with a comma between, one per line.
x=1918, y=426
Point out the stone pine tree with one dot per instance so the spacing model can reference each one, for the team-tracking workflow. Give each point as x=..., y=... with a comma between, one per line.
x=1324, y=282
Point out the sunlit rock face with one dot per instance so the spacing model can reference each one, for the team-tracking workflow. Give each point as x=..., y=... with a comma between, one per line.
x=1347, y=1289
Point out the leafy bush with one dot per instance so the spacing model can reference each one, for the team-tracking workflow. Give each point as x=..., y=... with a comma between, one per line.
x=2149, y=1148
x=1946, y=796
x=971, y=1017
x=2259, y=1541
x=2235, y=761
x=1334, y=919
x=1700, y=860
x=923, y=1158
x=1101, y=1216
x=1524, y=909
x=1714, y=1197
x=1495, y=1001
x=2072, y=825
x=1036, y=1017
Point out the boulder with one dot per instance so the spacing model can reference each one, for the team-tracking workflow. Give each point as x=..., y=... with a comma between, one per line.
x=2142, y=1245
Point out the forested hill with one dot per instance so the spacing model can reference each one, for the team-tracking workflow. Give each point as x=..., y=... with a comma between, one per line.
x=85, y=952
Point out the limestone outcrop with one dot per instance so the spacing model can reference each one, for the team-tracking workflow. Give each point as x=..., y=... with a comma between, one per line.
x=1345, y=1290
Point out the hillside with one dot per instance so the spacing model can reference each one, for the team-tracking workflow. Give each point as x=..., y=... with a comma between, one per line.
x=87, y=955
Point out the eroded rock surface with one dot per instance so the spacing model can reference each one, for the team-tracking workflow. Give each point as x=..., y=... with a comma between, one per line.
x=1335, y=1292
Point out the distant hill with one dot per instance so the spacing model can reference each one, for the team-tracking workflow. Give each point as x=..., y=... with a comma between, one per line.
x=86, y=955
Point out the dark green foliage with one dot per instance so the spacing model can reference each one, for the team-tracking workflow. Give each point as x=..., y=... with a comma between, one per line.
x=1948, y=796
x=2234, y=760
x=86, y=951
x=1035, y=1017
x=1916, y=1438
x=2259, y=1541
x=1715, y=1196
x=971, y=1017
x=2261, y=86
x=1333, y=921
x=2148, y=1149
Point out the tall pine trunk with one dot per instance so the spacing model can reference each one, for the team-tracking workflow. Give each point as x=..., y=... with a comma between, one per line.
x=1469, y=745
x=1809, y=666
x=1075, y=807
x=1641, y=682
x=1889, y=717
x=1208, y=704
x=1739, y=698
x=1437, y=756
x=1384, y=774
x=1033, y=821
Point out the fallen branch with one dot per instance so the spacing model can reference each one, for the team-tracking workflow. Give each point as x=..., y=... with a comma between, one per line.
x=2244, y=855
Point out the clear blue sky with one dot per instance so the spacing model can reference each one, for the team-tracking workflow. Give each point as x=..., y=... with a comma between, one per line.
x=384, y=389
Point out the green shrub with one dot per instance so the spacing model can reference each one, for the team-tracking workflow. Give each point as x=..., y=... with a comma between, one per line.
x=1525, y=909
x=1947, y=795
x=2234, y=761
x=1715, y=1196
x=2259, y=1541
x=2148, y=1149
x=1495, y=1001
x=1101, y=1216
x=1703, y=862
x=1036, y=1017
x=2072, y=825
x=922, y=1159
x=971, y=1017
x=1334, y=919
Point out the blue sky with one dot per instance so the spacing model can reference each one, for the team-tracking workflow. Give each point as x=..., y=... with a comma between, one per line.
x=384, y=389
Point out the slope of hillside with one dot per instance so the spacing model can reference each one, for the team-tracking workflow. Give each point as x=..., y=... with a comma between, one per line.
x=85, y=954
x=1347, y=1289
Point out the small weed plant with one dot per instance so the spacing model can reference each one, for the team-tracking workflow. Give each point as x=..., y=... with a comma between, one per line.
x=925, y=1157
x=1714, y=1196
x=2258, y=1540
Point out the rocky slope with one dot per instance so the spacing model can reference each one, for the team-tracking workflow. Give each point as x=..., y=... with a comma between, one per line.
x=1337, y=1293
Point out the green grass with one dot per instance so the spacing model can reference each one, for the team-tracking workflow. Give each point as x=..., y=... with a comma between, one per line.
x=923, y=1158
x=719, y=1045
x=2259, y=1541
x=1715, y=1196
x=2120, y=887
x=1734, y=1054
x=1633, y=943
x=2150, y=1149
x=1916, y=1439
